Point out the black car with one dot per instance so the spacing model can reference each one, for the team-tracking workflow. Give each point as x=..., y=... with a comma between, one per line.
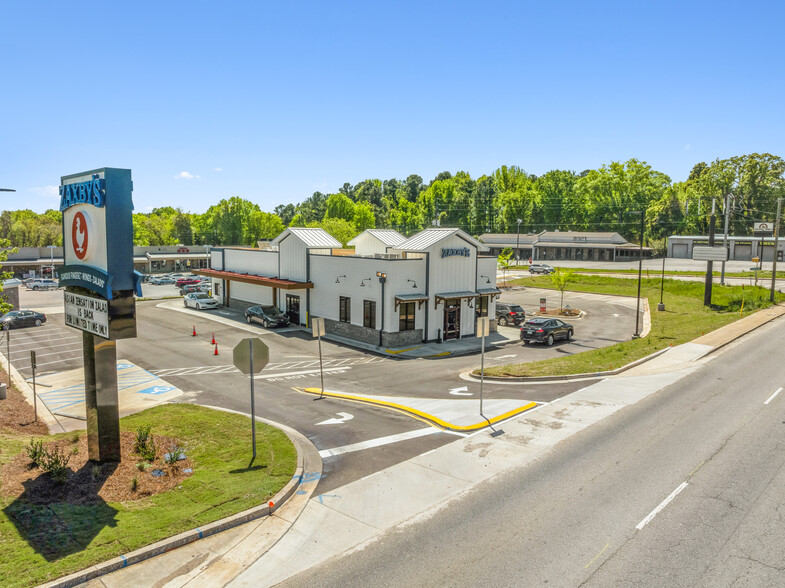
x=509, y=314
x=545, y=330
x=267, y=316
x=540, y=268
x=22, y=318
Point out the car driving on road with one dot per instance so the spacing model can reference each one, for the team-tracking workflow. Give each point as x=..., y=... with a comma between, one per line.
x=22, y=318
x=267, y=316
x=199, y=301
x=545, y=330
x=509, y=314
x=540, y=268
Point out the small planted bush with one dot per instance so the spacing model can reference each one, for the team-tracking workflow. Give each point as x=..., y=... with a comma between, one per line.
x=35, y=452
x=144, y=444
x=55, y=463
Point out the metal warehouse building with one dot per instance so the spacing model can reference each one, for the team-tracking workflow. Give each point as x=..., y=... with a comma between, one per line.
x=392, y=292
x=739, y=248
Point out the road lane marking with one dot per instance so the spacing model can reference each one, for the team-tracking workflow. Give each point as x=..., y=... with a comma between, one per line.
x=662, y=505
x=773, y=396
x=325, y=453
x=596, y=556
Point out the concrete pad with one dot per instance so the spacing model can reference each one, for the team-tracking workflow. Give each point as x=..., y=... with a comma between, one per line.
x=63, y=392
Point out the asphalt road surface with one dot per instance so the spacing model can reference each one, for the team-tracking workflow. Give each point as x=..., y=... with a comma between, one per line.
x=683, y=488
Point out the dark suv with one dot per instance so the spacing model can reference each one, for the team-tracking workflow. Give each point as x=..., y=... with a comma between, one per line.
x=509, y=314
x=545, y=330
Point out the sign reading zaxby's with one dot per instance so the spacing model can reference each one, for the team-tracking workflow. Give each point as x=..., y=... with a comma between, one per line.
x=98, y=241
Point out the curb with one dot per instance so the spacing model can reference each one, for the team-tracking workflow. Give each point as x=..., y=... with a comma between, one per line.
x=186, y=537
x=429, y=419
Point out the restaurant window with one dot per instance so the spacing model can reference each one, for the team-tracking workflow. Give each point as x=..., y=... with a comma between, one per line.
x=406, y=321
x=369, y=314
x=345, y=309
x=481, y=305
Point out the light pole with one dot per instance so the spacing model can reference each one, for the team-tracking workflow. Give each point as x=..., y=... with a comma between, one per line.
x=640, y=273
x=518, y=244
x=52, y=260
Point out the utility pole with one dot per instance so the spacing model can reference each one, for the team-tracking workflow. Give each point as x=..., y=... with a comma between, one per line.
x=710, y=264
x=776, y=236
x=725, y=235
x=518, y=244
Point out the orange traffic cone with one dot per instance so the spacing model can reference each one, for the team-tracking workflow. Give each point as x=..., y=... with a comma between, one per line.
x=193, y=334
x=216, y=350
x=213, y=341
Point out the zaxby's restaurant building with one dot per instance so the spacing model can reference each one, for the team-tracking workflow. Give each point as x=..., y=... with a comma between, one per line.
x=392, y=292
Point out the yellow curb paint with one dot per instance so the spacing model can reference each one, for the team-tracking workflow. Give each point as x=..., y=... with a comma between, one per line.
x=396, y=351
x=419, y=415
x=442, y=354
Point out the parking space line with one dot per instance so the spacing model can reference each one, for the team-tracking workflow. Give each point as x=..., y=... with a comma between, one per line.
x=16, y=347
x=325, y=453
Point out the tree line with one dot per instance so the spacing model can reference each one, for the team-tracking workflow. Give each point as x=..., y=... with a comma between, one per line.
x=608, y=199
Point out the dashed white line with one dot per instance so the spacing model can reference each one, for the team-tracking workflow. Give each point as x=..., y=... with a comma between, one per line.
x=773, y=396
x=662, y=505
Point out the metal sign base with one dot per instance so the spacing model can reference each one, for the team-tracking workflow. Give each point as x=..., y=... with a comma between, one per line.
x=101, y=400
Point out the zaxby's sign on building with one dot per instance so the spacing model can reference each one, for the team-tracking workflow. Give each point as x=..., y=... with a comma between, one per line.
x=98, y=251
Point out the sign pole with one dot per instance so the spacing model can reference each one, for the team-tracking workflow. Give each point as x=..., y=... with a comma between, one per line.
x=776, y=238
x=253, y=408
x=8, y=351
x=35, y=396
x=483, y=330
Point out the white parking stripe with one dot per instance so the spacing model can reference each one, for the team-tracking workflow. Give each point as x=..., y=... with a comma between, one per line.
x=662, y=505
x=324, y=453
x=773, y=396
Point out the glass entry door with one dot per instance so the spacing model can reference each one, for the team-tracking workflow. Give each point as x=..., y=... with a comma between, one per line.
x=452, y=319
x=293, y=308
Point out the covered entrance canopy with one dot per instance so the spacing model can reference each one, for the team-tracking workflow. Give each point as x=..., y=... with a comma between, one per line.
x=437, y=298
x=254, y=279
x=401, y=298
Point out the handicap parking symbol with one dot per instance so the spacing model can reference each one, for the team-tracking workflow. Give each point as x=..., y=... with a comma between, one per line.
x=124, y=366
x=157, y=390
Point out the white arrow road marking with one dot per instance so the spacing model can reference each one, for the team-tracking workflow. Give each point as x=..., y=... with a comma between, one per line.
x=615, y=315
x=460, y=391
x=345, y=416
x=504, y=356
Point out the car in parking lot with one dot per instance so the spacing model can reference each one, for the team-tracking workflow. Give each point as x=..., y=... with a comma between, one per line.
x=43, y=284
x=185, y=281
x=22, y=318
x=191, y=288
x=545, y=330
x=199, y=301
x=509, y=314
x=540, y=268
x=161, y=280
x=267, y=316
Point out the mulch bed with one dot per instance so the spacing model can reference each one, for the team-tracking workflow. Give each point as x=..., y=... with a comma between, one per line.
x=91, y=483
x=16, y=414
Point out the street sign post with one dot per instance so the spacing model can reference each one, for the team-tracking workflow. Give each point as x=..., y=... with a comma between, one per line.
x=250, y=356
x=710, y=253
x=317, y=325
x=33, y=365
x=483, y=330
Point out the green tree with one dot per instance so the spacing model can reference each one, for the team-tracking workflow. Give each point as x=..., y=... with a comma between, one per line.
x=363, y=217
x=342, y=230
x=560, y=279
x=5, y=249
x=340, y=206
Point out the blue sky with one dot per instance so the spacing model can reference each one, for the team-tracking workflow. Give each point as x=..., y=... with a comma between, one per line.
x=273, y=101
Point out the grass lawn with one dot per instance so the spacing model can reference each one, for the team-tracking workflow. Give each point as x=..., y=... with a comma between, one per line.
x=39, y=542
x=684, y=319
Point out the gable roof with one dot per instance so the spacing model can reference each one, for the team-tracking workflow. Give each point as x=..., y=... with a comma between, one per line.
x=388, y=237
x=430, y=237
x=311, y=237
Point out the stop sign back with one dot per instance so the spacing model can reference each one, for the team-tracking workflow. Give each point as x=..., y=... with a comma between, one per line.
x=247, y=349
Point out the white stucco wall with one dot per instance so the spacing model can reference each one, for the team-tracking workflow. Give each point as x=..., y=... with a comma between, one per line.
x=251, y=261
x=251, y=293
x=293, y=257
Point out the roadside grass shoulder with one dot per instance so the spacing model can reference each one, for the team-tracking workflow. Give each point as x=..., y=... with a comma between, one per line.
x=684, y=319
x=41, y=542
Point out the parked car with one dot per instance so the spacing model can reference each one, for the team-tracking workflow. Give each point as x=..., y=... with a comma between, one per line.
x=191, y=288
x=545, y=330
x=200, y=300
x=540, y=268
x=161, y=280
x=267, y=316
x=180, y=282
x=43, y=284
x=22, y=318
x=509, y=313
x=205, y=287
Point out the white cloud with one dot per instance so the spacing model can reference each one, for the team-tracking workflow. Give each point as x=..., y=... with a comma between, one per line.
x=184, y=175
x=48, y=191
x=218, y=169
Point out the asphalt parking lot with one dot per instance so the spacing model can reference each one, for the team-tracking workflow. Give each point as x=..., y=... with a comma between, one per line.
x=343, y=431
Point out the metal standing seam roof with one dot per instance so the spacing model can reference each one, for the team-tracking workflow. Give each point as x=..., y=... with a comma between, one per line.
x=425, y=239
x=312, y=237
x=389, y=237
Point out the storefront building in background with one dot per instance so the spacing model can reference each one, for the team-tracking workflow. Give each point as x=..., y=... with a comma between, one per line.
x=566, y=245
x=392, y=291
x=739, y=248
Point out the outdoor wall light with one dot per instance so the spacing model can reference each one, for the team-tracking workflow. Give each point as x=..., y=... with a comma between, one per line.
x=362, y=282
x=487, y=279
x=471, y=303
x=413, y=282
x=338, y=279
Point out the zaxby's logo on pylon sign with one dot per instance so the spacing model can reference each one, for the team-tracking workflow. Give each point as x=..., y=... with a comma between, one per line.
x=98, y=232
x=80, y=235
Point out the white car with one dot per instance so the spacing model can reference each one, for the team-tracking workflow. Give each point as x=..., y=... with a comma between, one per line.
x=200, y=300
